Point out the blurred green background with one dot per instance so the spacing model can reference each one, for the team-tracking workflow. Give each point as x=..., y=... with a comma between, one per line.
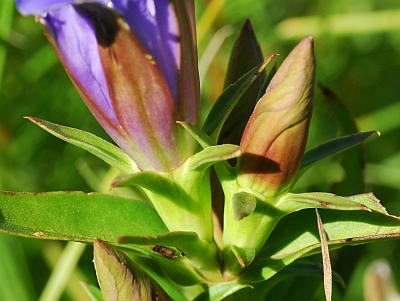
x=358, y=57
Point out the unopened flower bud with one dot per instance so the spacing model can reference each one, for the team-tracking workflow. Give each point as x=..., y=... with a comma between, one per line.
x=274, y=139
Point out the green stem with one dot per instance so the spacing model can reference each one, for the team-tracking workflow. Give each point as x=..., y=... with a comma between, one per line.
x=62, y=271
x=6, y=17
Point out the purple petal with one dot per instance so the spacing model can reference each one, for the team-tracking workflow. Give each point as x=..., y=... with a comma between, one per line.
x=155, y=25
x=39, y=7
x=119, y=82
x=75, y=40
x=142, y=100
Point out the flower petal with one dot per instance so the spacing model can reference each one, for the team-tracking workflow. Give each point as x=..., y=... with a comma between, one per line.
x=74, y=39
x=39, y=7
x=155, y=25
x=141, y=99
x=166, y=29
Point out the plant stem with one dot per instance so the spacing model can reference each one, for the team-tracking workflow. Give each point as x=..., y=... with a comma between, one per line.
x=207, y=19
x=6, y=17
x=62, y=271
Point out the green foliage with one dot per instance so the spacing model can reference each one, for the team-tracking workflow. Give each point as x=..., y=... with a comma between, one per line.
x=229, y=99
x=106, y=151
x=93, y=292
x=297, y=236
x=335, y=146
x=359, y=63
x=76, y=216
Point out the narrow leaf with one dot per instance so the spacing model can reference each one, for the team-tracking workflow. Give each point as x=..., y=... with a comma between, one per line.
x=295, y=236
x=150, y=180
x=326, y=261
x=102, y=149
x=229, y=99
x=335, y=146
x=213, y=154
x=197, y=134
x=76, y=216
x=353, y=160
x=223, y=290
x=292, y=202
x=223, y=169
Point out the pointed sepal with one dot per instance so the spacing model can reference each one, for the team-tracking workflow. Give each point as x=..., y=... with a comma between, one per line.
x=102, y=149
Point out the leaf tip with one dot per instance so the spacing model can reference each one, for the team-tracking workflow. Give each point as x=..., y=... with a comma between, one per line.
x=32, y=119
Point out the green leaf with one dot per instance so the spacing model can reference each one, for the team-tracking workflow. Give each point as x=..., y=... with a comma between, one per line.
x=212, y=155
x=155, y=182
x=296, y=236
x=197, y=134
x=186, y=242
x=162, y=250
x=115, y=277
x=292, y=202
x=243, y=256
x=102, y=149
x=296, y=271
x=76, y=216
x=221, y=291
x=335, y=146
x=223, y=169
x=92, y=291
x=159, y=275
x=352, y=161
x=229, y=99
x=177, y=269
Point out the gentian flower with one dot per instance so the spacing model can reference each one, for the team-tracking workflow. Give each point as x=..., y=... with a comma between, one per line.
x=134, y=62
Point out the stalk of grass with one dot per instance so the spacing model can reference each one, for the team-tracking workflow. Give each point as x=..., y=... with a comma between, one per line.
x=6, y=16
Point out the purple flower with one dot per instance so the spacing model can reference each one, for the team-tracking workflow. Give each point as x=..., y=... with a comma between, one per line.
x=134, y=63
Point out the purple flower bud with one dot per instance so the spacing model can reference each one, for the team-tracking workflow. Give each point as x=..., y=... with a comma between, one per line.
x=135, y=66
x=276, y=134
